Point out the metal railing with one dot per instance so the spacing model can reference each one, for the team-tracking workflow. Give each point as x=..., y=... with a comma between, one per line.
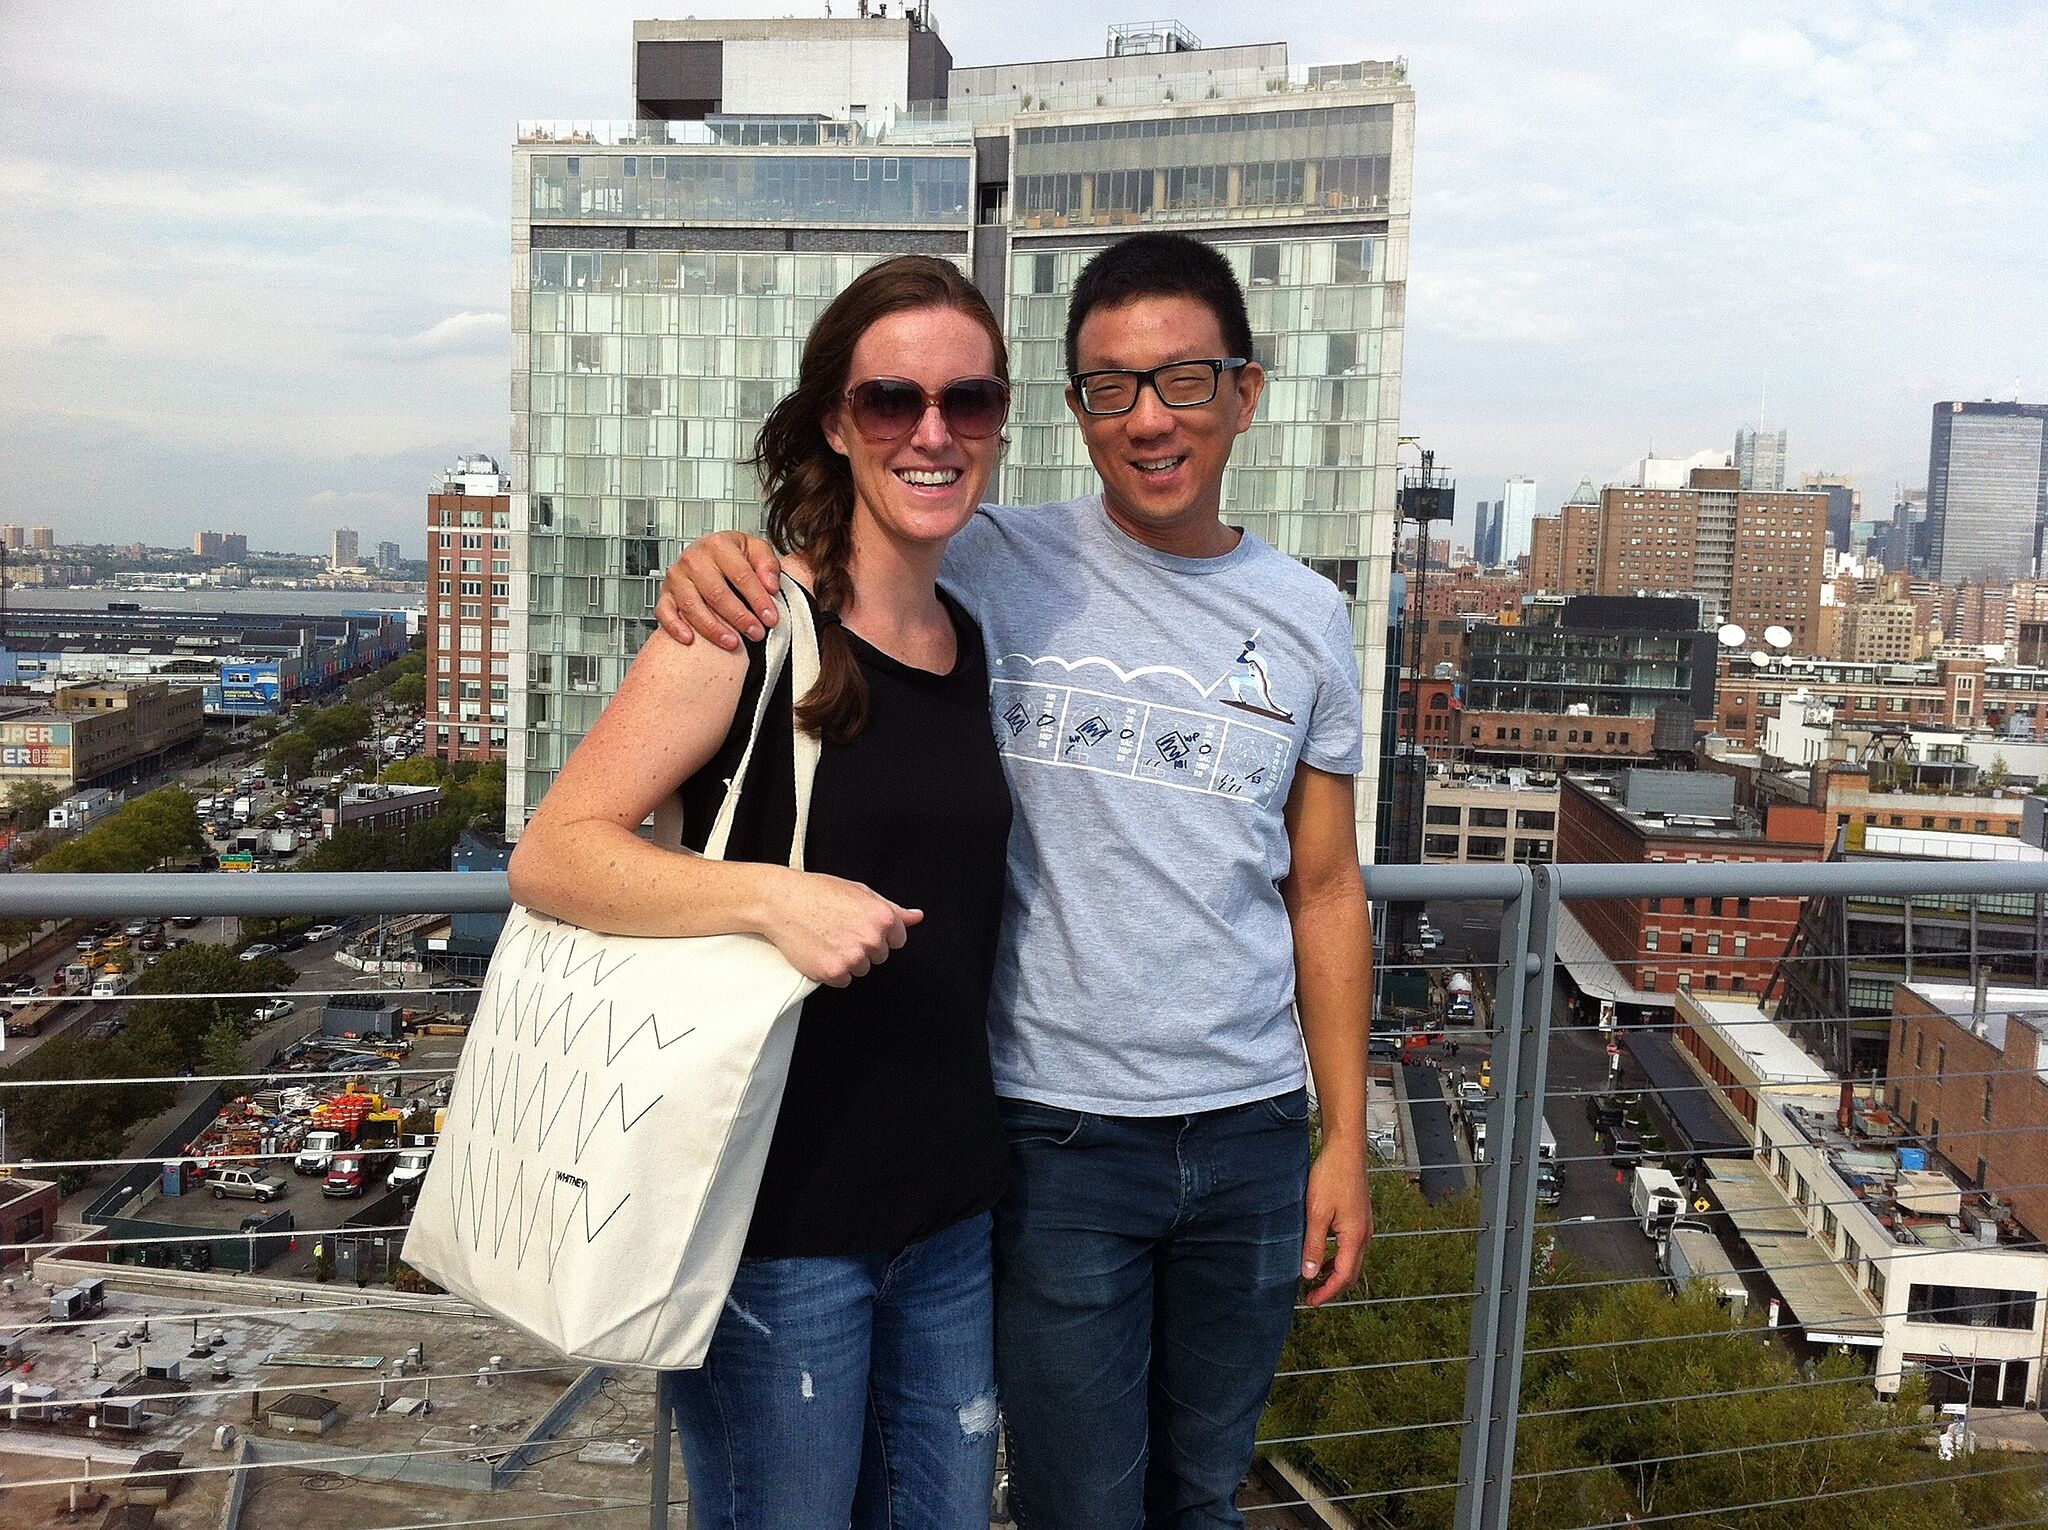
x=1549, y=1304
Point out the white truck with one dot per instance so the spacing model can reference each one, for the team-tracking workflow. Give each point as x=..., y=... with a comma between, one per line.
x=1656, y=1198
x=411, y=1167
x=1691, y=1252
x=316, y=1153
x=283, y=841
x=244, y=810
x=111, y=984
x=82, y=811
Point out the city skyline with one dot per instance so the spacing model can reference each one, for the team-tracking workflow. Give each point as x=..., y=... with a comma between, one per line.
x=359, y=238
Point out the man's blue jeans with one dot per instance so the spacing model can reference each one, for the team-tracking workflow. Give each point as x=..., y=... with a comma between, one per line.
x=1146, y=1272
x=848, y=1391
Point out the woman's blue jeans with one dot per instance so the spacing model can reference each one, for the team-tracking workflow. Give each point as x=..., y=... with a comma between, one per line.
x=857, y=1390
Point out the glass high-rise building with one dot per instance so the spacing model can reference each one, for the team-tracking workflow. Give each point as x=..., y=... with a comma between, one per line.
x=1987, y=490
x=1517, y=515
x=1760, y=459
x=666, y=271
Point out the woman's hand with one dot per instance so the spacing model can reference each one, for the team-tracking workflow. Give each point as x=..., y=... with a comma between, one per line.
x=832, y=930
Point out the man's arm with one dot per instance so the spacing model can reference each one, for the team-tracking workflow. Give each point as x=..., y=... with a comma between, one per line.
x=1325, y=897
x=721, y=586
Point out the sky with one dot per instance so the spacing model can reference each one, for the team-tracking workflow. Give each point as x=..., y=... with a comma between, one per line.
x=257, y=256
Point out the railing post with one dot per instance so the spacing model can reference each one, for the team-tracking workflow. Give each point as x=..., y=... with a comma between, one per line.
x=1507, y=1201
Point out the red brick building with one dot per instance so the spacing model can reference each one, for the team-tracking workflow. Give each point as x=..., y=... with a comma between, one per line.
x=469, y=609
x=1975, y=1087
x=1661, y=945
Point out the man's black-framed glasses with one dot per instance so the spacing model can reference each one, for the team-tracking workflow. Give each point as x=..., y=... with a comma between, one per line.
x=1179, y=384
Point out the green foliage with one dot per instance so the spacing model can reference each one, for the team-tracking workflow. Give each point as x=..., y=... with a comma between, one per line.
x=1599, y=1426
x=82, y=1120
x=171, y=1034
x=418, y=770
x=221, y=1049
x=410, y=691
x=137, y=836
x=29, y=802
x=291, y=756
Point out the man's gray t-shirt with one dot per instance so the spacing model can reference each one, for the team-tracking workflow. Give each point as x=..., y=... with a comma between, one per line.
x=1150, y=710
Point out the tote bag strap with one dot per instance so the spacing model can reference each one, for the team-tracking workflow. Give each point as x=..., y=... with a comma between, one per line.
x=793, y=639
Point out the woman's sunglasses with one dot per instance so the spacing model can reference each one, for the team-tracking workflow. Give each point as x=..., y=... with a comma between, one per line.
x=889, y=408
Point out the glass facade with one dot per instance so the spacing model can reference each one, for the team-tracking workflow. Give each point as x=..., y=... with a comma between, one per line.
x=645, y=375
x=1217, y=164
x=1305, y=476
x=753, y=188
x=640, y=374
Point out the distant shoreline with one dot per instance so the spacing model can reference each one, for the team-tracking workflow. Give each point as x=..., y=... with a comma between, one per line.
x=260, y=600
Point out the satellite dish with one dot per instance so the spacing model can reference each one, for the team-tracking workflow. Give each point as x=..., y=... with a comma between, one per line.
x=1778, y=637
x=1760, y=660
x=1731, y=635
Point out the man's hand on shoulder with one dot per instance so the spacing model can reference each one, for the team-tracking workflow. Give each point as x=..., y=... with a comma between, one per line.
x=722, y=587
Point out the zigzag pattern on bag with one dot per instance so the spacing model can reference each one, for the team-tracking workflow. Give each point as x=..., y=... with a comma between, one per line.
x=595, y=1178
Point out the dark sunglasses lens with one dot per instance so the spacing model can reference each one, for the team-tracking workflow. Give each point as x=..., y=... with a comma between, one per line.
x=975, y=408
x=883, y=408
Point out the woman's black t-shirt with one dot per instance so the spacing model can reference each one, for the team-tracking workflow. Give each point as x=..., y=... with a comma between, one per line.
x=888, y=1131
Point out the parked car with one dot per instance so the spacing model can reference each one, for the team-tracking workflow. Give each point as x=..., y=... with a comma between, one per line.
x=246, y=1183
x=136, y=927
x=258, y=951
x=1626, y=1149
x=274, y=1009
x=1549, y=1184
x=323, y=932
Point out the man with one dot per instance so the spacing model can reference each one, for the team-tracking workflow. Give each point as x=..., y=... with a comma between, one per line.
x=1178, y=709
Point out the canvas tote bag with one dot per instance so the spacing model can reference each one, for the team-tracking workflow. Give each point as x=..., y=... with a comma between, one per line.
x=610, y=1117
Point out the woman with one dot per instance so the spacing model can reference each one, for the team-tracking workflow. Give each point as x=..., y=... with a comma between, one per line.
x=851, y=1378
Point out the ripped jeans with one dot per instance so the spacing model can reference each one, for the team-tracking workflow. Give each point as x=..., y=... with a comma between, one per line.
x=857, y=1390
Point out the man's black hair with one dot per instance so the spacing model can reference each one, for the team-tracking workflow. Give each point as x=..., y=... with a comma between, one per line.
x=1160, y=265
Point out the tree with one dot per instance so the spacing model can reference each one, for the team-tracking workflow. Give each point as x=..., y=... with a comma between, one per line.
x=291, y=756
x=1601, y=1421
x=29, y=802
x=410, y=690
x=173, y=1033
x=138, y=836
x=221, y=1049
x=419, y=770
x=2000, y=772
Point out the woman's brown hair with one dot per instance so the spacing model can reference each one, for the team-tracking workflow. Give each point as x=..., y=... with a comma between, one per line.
x=809, y=487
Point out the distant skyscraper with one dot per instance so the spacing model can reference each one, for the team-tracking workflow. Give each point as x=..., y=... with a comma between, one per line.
x=228, y=546
x=1843, y=504
x=42, y=539
x=345, y=554
x=1517, y=518
x=665, y=271
x=1987, y=490
x=14, y=538
x=1760, y=459
x=387, y=557
x=1486, y=534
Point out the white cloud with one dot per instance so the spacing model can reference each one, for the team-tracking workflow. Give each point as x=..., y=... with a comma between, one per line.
x=288, y=229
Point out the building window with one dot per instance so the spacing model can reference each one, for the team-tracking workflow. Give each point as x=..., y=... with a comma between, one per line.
x=1442, y=845
x=1715, y=908
x=1742, y=908
x=1713, y=945
x=1919, y=1047
x=1742, y=945
x=1685, y=943
x=1941, y=1063
x=1987, y=1099
x=1970, y=1306
x=1692, y=905
x=1650, y=939
x=1486, y=847
x=1442, y=815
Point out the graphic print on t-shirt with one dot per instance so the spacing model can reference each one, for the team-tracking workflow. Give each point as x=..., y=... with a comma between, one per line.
x=1185, y=747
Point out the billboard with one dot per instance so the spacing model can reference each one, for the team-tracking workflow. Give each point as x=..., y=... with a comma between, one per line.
x=36, y=746
x=249, y=690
